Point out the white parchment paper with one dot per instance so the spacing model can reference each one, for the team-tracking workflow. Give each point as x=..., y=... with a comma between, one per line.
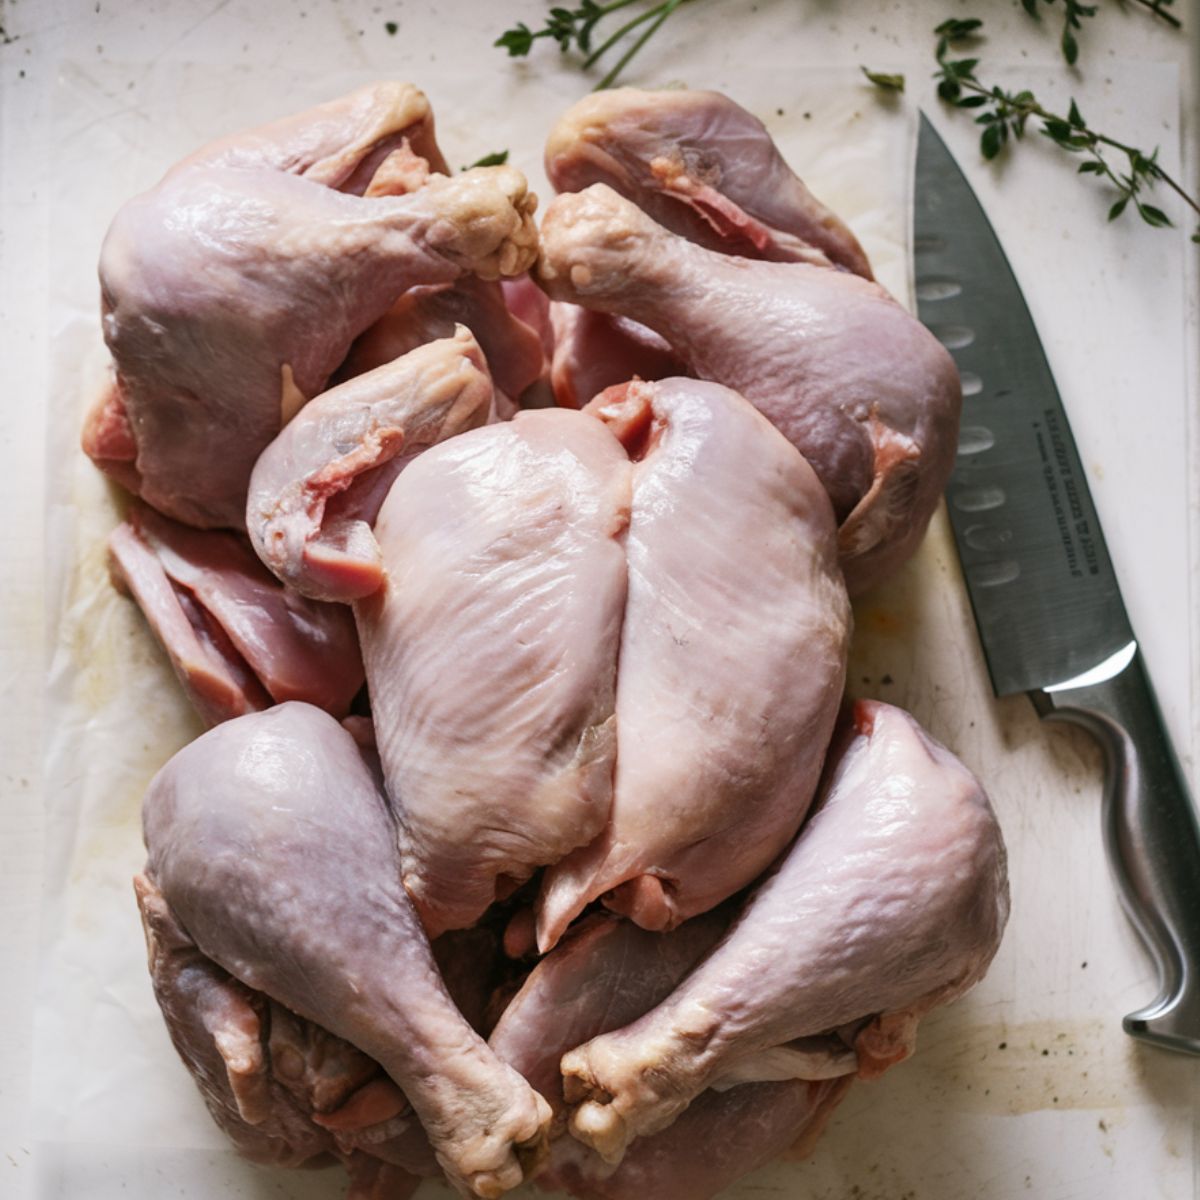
x=1033, y=1057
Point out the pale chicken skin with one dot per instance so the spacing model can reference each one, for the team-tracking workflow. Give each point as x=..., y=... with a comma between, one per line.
x=512, y=350
x=704, y=167
x=892, y=901
x=605, y=974
x=733, y=658
x=491, y=653
x=862, y=389
x=317, y=488
x=272, y=844
x=233, y=289
x=238, y=640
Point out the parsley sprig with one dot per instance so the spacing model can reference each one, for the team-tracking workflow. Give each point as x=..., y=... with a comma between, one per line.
x=1004, y=115
x=573, y=28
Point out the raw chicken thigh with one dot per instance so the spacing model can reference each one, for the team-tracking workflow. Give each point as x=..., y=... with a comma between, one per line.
x=891, y=902
x=733, y=657
x=704, y=167
x=862, y=389
x=238, y=639
x=233, y=289
x=491, y=653
x=273, y=847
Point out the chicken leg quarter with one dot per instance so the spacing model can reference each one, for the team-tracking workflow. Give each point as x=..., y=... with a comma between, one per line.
x=891, y=901
x=861, y=388
x=271, y=842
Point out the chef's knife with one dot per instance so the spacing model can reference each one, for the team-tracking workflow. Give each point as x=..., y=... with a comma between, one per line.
x=1042, y=586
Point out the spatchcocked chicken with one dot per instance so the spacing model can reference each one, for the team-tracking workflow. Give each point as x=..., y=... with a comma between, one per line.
x=598, y=881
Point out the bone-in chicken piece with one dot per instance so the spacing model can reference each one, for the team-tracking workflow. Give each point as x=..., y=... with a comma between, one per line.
x=733, y=658
x=862, y=389
x=491, y=653
x=594, y=351
x=317, y=488
x=238, y=639
x=272, y=845
x=702, y=166
x=233, y=289
x=512, y=350
x=891, y=902
x=604, y=975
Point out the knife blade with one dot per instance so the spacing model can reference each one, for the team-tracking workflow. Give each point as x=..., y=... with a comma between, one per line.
x=1041, y=583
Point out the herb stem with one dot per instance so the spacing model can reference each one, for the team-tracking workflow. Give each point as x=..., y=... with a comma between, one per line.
x=1032, y=108
x=628, y=27
x=1156, y=7
x=663, y=13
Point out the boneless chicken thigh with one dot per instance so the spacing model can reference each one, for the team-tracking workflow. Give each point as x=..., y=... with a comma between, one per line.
x=891, y=902
x=862, y=389
x=491, y=653
x=233, y=289
x=275, y=850
x=704, y=167
x=733, y=656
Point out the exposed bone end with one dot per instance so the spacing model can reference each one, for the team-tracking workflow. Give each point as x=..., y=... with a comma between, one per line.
x=597, y=1124
x=485, y=221
x=595, y=244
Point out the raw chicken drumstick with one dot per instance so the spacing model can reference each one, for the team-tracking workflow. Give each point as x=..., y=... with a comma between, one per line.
x=732, y=659
x=862, y=389
x=704, y=167
x=891, y=902
x=491, y=653
x=238, y=639
x=603, y=975
x=233, y=289
x=272, y=845
x=317, y=487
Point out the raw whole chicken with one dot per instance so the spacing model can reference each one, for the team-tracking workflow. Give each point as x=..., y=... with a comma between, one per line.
x=598, y=813
x=704, y=167
x=237, y=638
x=233, y=289
x=862, y=389
x=891, y=902
x=271, y=844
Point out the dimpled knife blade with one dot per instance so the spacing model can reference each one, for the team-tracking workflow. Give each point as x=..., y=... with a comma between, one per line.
x=1041, y=582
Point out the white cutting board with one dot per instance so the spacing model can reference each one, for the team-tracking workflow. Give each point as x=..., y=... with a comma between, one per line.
x=1068, y=1106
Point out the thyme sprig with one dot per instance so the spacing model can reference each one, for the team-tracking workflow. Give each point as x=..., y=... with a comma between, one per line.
x=1004, y=115
x=1075, y=13
x=574, y=27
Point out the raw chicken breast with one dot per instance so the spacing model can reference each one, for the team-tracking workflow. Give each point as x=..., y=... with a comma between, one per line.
x=891, y=902
x=733, y=658
x=491, y=653
x=271, y=843
x=705, y=168
x=861, y=388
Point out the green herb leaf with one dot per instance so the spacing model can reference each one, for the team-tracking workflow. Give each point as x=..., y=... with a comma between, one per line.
x=1070, y=47
x=496, y=159
x=1075, y=117
x=1118, y=208
x=889, y=83
x=518, y=41
x=990, y=142
x=1154, y=216
x=391, y=27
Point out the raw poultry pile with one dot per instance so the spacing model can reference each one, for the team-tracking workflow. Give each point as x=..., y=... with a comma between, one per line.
x=592, y=883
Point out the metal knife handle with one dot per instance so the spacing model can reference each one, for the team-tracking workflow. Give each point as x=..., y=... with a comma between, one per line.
x=1152, y=838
